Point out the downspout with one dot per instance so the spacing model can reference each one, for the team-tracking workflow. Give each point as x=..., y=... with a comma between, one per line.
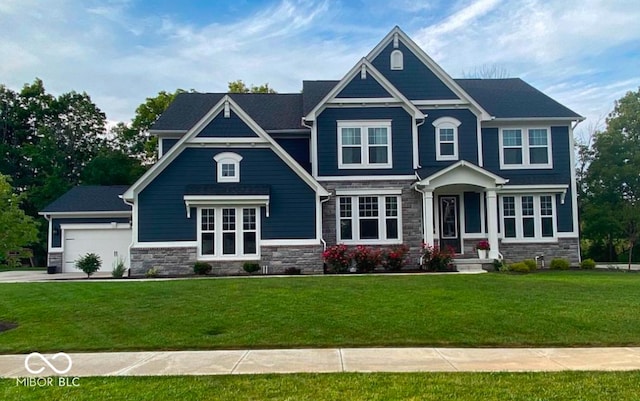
x=418, y=125
x=324, y=243
x=131, y=226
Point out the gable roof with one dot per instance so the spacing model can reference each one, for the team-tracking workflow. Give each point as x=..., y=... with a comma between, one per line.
x=90, y=198
x=225, y=103
x=272, y=111
x=313, y=92
x=514, y=98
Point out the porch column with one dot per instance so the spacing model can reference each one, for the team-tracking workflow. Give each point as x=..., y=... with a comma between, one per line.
x=492, y=223
x=427, y=212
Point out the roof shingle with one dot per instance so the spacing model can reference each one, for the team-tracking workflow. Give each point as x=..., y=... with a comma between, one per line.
x=90, y=198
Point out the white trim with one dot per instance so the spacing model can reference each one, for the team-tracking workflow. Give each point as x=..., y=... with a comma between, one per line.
x=230, y=158
x=365, y=192
x=525, y=148
x=173, y=244
x=492, y=179
x=535, y=189
x=157, y=168
x=363, y=100
x=381, y=218
x=446, y=123
x=574, y=181
x=289, y=242
x=313, y=145
x=479, y=139
x=106, y=214
x=168, y=133
x=538, y=119
x=197, y=201
x=442, y=102
x=430, y=64
x=379, y=77
x=95, y=226
x=238, y=233
x=568, y=234
x=404, y=177
x=537, y=218
x=363, y=126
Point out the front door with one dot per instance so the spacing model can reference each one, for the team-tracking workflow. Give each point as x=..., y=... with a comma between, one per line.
x=450, y=222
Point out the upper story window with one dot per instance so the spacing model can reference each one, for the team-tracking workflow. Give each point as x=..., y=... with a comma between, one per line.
x=446, y=138
x=364, y=144
x=397, y=60
x=525, y=148
x=228, y=167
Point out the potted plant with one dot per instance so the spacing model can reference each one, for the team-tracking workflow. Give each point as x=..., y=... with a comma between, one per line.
x=483, y=248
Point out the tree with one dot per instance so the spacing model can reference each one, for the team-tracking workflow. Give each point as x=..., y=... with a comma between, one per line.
x=17, y=230
x=612, y=204
x=112, y=168
x=487, y=71
x=133, y=139
x=89, y=263
x=239, y=86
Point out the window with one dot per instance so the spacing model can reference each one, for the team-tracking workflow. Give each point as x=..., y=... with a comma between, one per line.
x=446, y=138
x=370, y=218
x=397, y=60
x=525, y=148
x=238, y=232
x=228, y=167
x=528, y=217
x=364, y=144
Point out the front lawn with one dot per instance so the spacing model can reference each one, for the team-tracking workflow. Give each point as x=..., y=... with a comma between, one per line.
x=585, y=386
x=550, y=309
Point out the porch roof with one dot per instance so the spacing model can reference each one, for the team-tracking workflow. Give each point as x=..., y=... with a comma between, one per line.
x=460, y=173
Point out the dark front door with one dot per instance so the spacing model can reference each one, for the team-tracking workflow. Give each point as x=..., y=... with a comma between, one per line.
x=450, y=222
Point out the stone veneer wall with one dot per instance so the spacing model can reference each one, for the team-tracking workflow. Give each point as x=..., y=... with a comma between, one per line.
x=180, y=261
x=55, y=259
x=411, y=212
x=567, y=248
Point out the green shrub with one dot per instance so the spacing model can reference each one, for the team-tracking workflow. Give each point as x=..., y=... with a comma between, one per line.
x=500, y=265
x=202, y=268
x=118, y=268
x=519, y=267
x=531, y=264
x=292, y=271
x=251, y=267
x=588, y=264
x=89, y=263
x=559, y=264
x=151, y=273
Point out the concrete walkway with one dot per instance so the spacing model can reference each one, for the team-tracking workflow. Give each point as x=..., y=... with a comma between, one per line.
x=325, y=361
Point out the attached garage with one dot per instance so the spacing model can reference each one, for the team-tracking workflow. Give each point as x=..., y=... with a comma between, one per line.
x=89, y=219
x=110, y=242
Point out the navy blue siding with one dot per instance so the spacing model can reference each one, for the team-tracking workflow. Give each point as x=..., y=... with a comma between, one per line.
x=400, y=137
x=560, y=174
x=298, y=148
x=416, y=81
x=467, y=137
x=367, y=87
x=56, y=235
x=162, y=215
x=222, y=127
x=472, y=214
x=167, y=143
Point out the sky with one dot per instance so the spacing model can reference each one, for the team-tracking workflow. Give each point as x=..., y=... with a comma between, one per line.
x=583, y=53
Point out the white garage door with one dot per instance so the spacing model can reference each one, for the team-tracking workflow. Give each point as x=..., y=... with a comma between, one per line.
x=108, y=243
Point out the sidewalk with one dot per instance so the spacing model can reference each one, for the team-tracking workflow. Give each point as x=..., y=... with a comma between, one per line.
x=327, y=360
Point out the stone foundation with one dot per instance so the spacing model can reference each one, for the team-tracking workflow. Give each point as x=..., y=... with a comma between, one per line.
x=566, y=248
x=55, y=259
x=180, y=261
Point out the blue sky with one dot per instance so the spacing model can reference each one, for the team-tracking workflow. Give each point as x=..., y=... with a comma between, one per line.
x=584, y=53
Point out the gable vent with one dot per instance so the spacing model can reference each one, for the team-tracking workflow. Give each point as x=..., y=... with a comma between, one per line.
x=397, y=60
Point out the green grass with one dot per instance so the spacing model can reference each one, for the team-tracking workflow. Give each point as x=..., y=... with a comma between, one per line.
x=584, y=386
x=550, y=309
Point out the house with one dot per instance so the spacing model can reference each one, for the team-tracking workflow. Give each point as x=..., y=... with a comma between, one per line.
x=395, y=152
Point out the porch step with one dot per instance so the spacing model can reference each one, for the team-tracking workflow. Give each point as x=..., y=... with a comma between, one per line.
x=471, y=265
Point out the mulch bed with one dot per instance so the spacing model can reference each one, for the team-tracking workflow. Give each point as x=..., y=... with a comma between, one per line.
x=5, y=326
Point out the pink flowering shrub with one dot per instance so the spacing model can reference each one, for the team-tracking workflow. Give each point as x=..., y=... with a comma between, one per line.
x=366, y=258
x=337, y=258
x=394, y=258
x=436, y=259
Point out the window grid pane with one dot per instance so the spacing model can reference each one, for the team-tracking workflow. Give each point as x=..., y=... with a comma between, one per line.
x=527, y=206
x=228, y=170
x=351, y=136
x=249, y=219
x=446, y=135
x=345, y=207
x=368, y=206
x=378, y=136
x=546, y=205
x=509, y=206
x=208, y=220
x=538, y=137
x=391, y=206
x=512, y=137
x=228, y=219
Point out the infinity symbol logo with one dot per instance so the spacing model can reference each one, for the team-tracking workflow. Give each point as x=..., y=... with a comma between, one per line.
x=46, y=362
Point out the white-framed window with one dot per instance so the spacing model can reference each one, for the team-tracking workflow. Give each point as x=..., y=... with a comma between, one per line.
x=374, y=219
x=364, y=144
x=525, y=148
x=228, y=167
x=528, y=217
x=446, y=138
x=397, y=60
x=228, y=233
